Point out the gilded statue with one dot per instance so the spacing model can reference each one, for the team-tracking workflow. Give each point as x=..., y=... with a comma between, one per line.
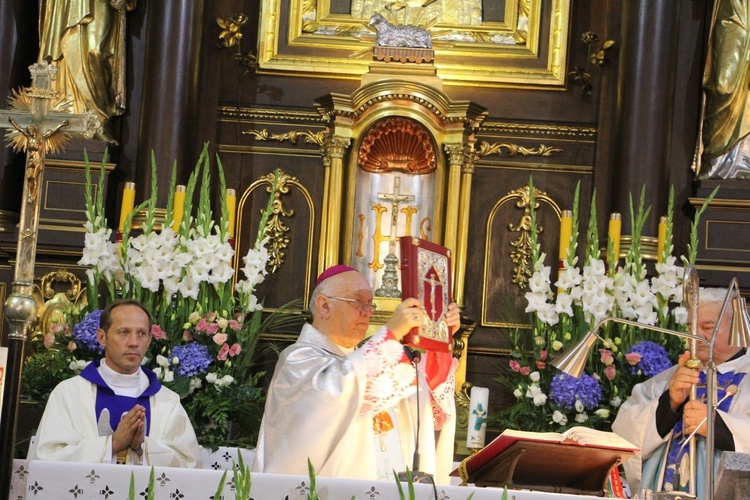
x=85, y=39
x=726, y=124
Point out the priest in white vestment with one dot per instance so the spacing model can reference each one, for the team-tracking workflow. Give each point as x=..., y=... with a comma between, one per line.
x=116, y=411
x=658, y=415
x=335, y=404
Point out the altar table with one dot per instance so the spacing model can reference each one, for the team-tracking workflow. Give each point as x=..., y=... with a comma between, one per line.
x=37, y=479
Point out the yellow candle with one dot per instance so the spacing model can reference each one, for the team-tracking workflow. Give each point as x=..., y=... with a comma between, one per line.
x=231, y=210
x=179, y=206
x=128, y=202
x=662, y=239
x=566, y=229
x=615, y=229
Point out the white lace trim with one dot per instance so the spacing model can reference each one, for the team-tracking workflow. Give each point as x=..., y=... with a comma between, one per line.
x=390, y=376
x=443, y=398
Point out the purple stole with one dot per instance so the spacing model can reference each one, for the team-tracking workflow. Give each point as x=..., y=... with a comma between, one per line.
x=117, y=405
x=723, y=380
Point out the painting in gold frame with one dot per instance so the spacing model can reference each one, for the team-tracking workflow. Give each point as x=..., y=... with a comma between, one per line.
x=520, y=43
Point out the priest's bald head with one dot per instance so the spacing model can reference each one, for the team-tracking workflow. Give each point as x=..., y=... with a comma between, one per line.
x=341, y=305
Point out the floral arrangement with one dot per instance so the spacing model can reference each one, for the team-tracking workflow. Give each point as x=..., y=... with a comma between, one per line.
x=205, y=331
x=549, y=400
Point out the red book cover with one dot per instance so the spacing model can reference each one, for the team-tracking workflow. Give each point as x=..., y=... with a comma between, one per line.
x=426, y=276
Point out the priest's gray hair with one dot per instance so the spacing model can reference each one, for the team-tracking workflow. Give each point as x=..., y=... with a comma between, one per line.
x=324, y=288
x=712, y=295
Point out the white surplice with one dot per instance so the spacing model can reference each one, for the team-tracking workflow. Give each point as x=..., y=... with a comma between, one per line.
x=68, y=429
x=321, y=404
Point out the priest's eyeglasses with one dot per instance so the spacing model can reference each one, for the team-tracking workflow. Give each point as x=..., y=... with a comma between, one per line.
x=364, y=307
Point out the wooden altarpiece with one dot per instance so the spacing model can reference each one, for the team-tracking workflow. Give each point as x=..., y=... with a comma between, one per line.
x=399, y=160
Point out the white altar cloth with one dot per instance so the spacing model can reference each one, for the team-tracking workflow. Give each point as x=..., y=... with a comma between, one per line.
x=40, y=480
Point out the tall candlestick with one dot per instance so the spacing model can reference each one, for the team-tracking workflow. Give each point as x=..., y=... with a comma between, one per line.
x=179, y=206
x=566, y=229
x=662, y=239
x=128, y=202
x=477, y=417
x=231, y=211
x=615, y=229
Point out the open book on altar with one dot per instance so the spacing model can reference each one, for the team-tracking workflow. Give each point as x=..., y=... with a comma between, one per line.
x=576, y=461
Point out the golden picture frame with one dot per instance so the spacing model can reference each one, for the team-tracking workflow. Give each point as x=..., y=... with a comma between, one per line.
x=524, y=44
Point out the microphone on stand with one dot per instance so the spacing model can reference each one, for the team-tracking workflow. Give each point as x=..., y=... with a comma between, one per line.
x=416, y=475
x=730, y=391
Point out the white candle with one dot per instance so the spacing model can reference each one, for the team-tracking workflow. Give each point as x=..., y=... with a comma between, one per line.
x=477, y=417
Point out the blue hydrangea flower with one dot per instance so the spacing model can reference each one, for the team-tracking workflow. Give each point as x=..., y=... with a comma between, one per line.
x=84, y=333
x=565, y=390
x=654, y=358
x=194, y=358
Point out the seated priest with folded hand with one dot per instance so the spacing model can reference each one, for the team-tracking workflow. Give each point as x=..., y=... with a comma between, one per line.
x=116, y=411
x=659, y=415
x=352, y=410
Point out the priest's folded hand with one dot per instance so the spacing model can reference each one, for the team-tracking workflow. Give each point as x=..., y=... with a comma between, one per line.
x=130, y=430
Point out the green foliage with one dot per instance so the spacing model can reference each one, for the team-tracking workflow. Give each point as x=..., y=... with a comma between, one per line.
x=312, y=493
x=213, y=411
x=243, y=481
x=410, y=486
x=220, y=487
x=692, y=253
x=42, y=372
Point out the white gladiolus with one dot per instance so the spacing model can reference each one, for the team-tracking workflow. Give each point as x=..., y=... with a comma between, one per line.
x=534, y=376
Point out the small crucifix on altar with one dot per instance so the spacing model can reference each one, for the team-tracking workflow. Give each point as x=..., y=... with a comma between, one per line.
x=389, y=288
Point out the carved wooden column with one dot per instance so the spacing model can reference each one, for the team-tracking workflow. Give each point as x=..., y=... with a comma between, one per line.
x=455, y=161
x=330, y=233
x=462, y=248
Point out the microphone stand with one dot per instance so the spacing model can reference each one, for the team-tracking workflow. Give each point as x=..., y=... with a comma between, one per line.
x=415, y=474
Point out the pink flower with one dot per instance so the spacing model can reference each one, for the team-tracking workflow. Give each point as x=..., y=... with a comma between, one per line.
x=212, y=328
x=220, y=338
x=235, y=325
x=222, y=356
x=49, y=340
x=72, y=346
x=235, y=350
x=633, y=358
x=202, y=326
x=211, y=316
x=607, y=357
x=60, y=329
x=525, y=370
x=540, y=365
x=610, y=372
x=187, y=336
x=543, y=354
x=157, y=332
x=514, y=365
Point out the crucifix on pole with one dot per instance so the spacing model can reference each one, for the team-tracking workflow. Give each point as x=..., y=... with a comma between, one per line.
x=38, y=123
